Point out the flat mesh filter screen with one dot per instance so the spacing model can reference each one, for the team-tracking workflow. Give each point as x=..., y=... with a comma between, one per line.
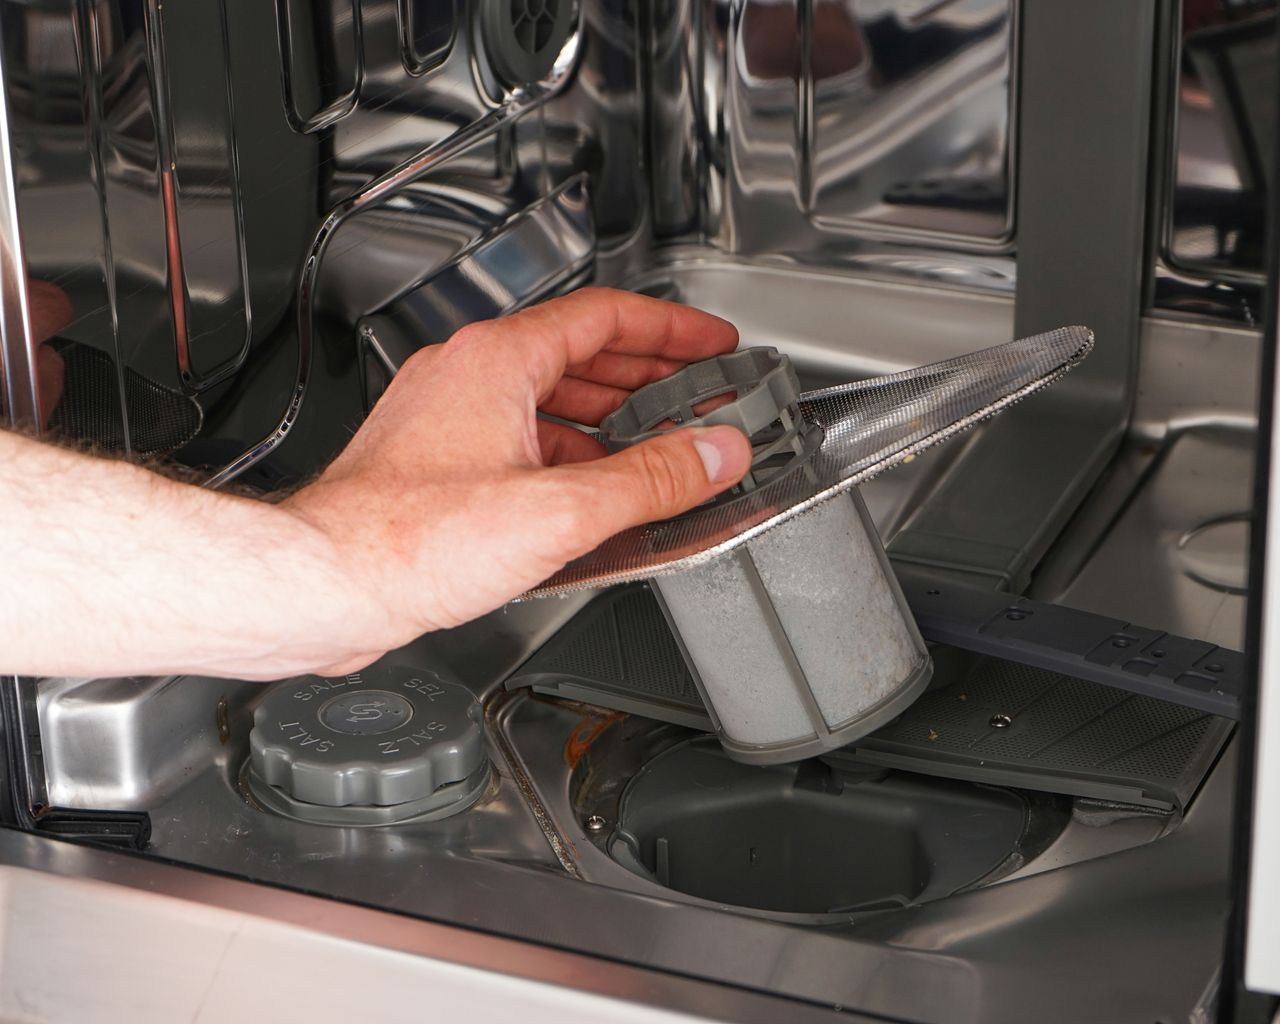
x=869, y=426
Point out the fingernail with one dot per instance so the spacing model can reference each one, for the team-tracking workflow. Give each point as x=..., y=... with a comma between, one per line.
x=715, y=449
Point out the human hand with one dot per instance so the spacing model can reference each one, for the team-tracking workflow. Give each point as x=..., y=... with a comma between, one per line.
x=454, y=497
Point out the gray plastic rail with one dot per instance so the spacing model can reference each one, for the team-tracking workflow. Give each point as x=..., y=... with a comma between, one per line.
x=1115, y=653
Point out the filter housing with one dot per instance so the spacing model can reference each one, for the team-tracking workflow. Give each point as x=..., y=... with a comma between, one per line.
x=800, y=641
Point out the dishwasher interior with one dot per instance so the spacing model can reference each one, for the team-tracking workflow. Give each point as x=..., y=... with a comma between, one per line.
x=260, y=210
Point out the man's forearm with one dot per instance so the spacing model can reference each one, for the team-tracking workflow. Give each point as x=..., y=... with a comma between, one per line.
x=114, y=570
x=451, y=499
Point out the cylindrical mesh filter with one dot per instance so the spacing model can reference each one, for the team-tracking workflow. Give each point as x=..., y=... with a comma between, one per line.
x=800, y=641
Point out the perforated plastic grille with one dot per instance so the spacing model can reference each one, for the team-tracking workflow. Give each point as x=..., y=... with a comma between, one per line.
x=622, y=642
x=649, y=651
x=870, y=426
x=594, y=655
x=1058, y=724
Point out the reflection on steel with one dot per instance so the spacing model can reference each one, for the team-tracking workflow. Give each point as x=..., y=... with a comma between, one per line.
x=88, y=44
x=544, y=249
x=347, y=29
x=425, y=34
x=17, y=344
x=824, y=123
x=176, y=277
x=200, y=270
x=517, y=103
x=1221, y=149
x=910, y=127
x=679, y=175
x=1195, y=484
x=20, y=720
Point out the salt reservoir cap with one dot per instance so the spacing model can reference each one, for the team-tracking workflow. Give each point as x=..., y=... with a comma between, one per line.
x=384, y=737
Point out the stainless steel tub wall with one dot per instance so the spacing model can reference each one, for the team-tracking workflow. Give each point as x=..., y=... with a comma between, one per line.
x=821, y=126
x=173, y=168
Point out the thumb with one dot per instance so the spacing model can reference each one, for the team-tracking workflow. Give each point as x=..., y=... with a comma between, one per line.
x=659, y=478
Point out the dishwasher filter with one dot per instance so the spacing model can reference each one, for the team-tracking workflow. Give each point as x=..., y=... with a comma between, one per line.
x=799, y=640
x=866, y=427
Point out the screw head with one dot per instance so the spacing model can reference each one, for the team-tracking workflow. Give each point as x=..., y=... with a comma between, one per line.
x=1000, y=721
x=595, y=824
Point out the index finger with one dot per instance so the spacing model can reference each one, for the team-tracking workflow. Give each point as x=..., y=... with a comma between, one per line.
x=572, y=329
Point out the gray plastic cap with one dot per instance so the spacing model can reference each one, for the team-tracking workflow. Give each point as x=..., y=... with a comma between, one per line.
x=385, y=736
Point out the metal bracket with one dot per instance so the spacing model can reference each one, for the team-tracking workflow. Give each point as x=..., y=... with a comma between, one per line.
x=23, y=785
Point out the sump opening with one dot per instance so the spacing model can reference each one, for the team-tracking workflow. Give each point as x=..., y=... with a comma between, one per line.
x=808, y=838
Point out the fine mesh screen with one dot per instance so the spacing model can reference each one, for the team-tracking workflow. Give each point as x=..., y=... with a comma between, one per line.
x=160, y=420
x=623, y=645
x=869, y=426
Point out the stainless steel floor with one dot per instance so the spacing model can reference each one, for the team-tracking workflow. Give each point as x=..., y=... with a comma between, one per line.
x=1165, y=534
x=1177, y=548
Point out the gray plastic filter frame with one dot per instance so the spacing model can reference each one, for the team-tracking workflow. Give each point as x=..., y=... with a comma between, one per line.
x=799, y=641
x=765, y=406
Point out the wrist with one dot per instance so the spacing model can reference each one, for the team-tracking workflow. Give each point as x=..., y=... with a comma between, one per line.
x=338, y=581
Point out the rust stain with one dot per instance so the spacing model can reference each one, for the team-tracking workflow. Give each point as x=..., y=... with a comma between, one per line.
x=584, y=734
x=222, y=717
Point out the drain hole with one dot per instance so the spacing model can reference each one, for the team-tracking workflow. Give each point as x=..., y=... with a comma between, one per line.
x=787, y=839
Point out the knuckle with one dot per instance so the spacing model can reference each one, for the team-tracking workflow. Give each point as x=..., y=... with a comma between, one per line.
x=468, y=335
x=418, y=359
x=595, y=297
x=663, y=475
x=569, y=521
